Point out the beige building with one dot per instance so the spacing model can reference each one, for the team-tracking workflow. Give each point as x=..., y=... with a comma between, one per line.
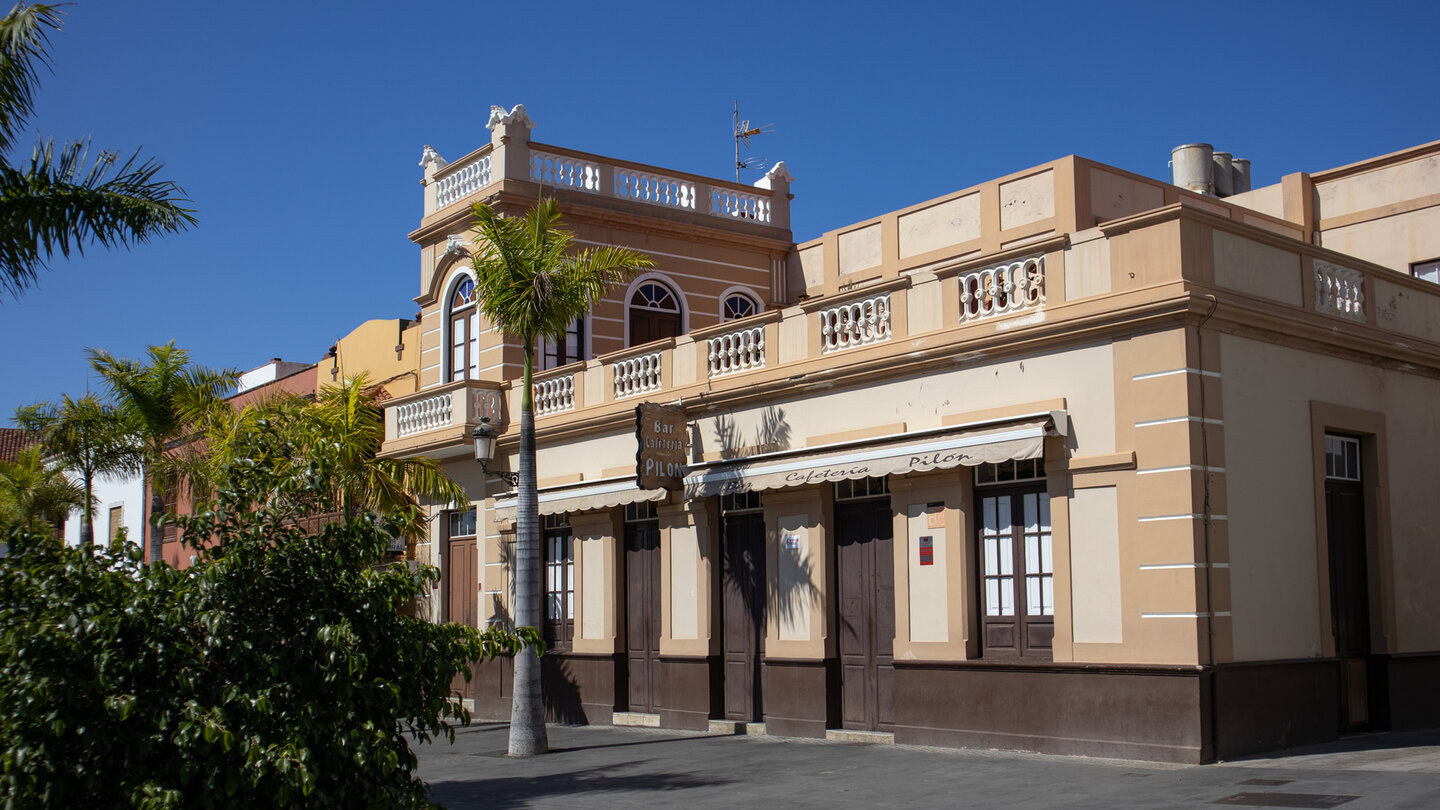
x=1074, y=460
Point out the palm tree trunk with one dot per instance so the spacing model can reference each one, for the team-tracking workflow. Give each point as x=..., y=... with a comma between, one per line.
x=87, y=524
x=527, y=708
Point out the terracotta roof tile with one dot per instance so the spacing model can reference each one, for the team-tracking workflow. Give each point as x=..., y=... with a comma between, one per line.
x=12, y=441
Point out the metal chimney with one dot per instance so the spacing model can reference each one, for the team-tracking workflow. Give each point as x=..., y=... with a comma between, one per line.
x=1242, y=174
x=1193, y=167
x=1224, y=175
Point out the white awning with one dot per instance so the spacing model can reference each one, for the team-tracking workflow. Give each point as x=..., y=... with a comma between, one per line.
x=988, y=444
x=583, y=497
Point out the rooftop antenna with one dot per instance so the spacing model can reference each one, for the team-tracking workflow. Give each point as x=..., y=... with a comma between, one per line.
x=743, y=133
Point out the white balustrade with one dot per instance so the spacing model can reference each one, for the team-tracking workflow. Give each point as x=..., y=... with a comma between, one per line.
x=1006, y=288
x=726, y=202
x=423, y=415
x=1339, y=290
x=637, y=375
x=564, y=172
x=555, y=395
x=654, y=188
x=859, y=323
x=738, y=351
x=464, y=181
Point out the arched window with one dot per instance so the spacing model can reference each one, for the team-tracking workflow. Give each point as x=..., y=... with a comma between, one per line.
x=463, y=320
x=737, y=306
x=654, y=313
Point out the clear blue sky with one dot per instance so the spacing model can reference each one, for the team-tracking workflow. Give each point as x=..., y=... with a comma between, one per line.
x=297, y=128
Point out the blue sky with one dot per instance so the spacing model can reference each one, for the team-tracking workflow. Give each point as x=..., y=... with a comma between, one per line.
x=297, y=129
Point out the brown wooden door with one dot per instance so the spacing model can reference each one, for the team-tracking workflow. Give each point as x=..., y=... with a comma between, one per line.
x=462, y=582
x=865, y=571
x=642, y=614
x=743, y=583
x=1349, y=599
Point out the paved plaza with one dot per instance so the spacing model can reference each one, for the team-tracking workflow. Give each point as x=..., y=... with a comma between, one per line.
x=599, y=766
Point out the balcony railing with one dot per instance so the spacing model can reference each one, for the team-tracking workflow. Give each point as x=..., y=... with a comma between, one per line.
x=858, y=323
x=637, y=375
x=1339, y=290
x=734, y=352
x=1005, y=288
x=461, y=182
x=554, y=395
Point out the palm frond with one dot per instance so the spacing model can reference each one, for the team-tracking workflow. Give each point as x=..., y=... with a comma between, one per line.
x=59, y=202
x=24, y=46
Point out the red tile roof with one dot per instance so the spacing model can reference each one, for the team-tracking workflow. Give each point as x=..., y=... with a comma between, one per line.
x=12, y=441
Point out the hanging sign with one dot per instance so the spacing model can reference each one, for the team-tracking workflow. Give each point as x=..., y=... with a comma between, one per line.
x=661, y=435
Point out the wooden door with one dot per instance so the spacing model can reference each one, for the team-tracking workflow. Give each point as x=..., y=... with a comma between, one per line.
x=743, y=583
x=1349, y=599
x=642, y=614
x=865, y=572
x=646, y=326
x=462, y=583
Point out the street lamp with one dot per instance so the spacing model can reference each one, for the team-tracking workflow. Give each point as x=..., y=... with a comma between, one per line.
x=484, y=435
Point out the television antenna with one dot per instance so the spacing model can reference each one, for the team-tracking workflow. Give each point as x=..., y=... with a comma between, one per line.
x=743, y=133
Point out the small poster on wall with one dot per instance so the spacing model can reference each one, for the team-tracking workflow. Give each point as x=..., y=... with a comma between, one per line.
x=927, y=550
x=935, y=516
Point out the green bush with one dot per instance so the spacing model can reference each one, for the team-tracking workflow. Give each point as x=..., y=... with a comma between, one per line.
x=278, y=670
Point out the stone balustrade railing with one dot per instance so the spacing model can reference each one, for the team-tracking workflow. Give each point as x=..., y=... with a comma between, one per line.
x=554, y=395
x=727, y=202
x=463, y=180
x=423, y=415
x=636, y=375
x=561, y=171
x=1339, y=290
x=1005, y=288
x=656, y=189
x=858, y=323
x=734, y=352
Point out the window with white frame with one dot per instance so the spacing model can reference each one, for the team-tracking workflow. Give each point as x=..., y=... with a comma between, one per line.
x=463, y=317
x=569, y=349
x=737, y=306
x=559, y=581
x=1342, y=458
x=1430, y=271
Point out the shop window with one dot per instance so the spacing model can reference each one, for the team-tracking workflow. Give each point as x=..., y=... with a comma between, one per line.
x=737, y=306
x=463, y=320
x=1430, y=271
x=559, y=581
x=1017, y=569
x=654, y=313
x=638, y=512
x=862, y=488
x=568, y=349
x=736, y=502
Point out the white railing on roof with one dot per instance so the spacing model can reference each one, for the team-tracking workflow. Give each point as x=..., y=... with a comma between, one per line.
x=637, y=375
x=423, y=415
x=738, y=351
x=555, y=395
x=565, y=172
x=726, y=202
x=1006, y=288
x=654, y=188
x=463, y=182
x=858, y=323
x=1339, y=290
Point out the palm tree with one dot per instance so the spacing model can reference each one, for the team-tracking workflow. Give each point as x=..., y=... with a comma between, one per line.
x=337, y=437
x=58, y=200
x=162, y=398
x=531, y=283
x=35, y=496
x=87, y=437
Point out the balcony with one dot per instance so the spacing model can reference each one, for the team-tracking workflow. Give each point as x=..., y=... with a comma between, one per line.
x=437, y=421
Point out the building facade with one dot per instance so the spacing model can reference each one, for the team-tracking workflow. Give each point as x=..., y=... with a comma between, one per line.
x=1074, y=460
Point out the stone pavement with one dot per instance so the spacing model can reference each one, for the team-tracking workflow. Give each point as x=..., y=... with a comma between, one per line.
x=601, y=766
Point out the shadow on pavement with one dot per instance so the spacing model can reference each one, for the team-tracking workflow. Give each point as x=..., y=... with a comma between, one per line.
x=1378, y=741
x=504, y=792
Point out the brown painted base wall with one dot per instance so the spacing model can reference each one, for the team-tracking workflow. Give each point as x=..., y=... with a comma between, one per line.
x=689, y=691
x=801, y=697
x=1126, y=713
x=1414, y=700
x=1272, y=705
x=579, y=689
